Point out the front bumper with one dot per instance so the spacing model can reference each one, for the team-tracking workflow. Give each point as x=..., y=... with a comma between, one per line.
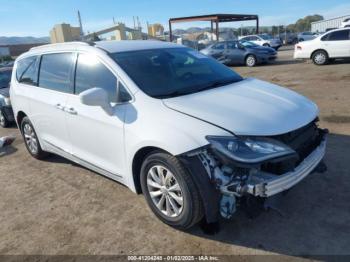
x=8, y=113
x=264, y=184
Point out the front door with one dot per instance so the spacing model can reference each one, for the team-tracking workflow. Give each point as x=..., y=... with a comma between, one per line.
x=96, y=136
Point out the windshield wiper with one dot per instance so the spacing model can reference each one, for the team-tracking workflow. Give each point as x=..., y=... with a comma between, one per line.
x=172, y=94
x=191, y=91
x=218, y=84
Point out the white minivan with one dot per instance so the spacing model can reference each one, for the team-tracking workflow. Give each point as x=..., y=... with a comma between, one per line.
x=196, y=138
x=331, y=45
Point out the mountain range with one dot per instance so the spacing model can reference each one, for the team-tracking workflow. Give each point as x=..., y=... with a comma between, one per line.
x=17, y=40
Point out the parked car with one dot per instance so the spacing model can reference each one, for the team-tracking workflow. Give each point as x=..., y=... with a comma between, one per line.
x=306, y=36
x=331, y=45
x=346, y=23
x=263, y=40
x=288, y=38
x=192, y=135
x=240, y=52
x=6, y=114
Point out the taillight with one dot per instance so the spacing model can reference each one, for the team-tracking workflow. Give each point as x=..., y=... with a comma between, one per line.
x=299, y=47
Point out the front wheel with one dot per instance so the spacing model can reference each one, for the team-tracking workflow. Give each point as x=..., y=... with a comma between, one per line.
x=320, y=58
x=250, y=61
x=170, y=191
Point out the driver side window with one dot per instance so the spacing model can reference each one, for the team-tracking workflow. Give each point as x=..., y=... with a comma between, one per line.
x=90, y=72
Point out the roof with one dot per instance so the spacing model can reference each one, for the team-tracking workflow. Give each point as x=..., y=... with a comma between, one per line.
x=215, y=17
x=335, y=18
x=131, y=45
x=110, y=46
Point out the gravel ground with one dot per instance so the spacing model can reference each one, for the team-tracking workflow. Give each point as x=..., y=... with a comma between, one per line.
x=56, y=207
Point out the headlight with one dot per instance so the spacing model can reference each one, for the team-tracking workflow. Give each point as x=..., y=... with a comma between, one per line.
x=7, y=101
x=250, y=149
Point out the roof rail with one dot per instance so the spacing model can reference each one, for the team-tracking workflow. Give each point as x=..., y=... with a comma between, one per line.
x=64, y=44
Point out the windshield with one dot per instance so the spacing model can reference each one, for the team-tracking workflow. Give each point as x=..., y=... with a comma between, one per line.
x=248, y=44
x=5, y=78
x=266, y=37
x=170, y=72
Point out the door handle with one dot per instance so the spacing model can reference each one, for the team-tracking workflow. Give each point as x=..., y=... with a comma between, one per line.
x=71, y=110
x=59, y=106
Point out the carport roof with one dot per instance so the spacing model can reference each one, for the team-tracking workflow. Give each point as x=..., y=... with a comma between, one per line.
x=215, y=17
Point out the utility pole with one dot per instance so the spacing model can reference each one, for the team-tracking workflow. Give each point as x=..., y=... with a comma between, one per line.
x=80, y=25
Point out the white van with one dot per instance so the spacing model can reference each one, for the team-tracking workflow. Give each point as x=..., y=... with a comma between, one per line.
x=186, y=131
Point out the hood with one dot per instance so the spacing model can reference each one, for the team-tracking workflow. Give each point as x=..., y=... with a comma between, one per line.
x=249, y=107
x=5, y=92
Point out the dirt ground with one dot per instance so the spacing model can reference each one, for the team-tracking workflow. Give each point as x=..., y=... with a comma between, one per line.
x=57, y=207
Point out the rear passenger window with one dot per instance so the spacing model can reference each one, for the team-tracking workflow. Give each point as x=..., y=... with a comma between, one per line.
x=55, y=72
x=92, y=73
x=27, y=71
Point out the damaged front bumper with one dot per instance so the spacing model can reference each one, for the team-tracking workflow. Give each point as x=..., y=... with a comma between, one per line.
x=236, y=183
x=265, y=185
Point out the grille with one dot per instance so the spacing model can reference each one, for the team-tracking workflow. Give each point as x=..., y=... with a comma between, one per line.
x=303, y=141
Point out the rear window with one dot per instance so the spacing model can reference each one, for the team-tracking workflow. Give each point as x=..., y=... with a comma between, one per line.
x=27, y=71
x=55, y=72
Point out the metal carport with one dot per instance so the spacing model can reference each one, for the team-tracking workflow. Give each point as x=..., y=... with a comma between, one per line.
x=215, y=18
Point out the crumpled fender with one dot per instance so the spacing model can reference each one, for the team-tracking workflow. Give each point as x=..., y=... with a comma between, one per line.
x=208, y=192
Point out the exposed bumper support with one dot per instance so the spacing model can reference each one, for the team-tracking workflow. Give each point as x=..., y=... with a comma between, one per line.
x=265, y=185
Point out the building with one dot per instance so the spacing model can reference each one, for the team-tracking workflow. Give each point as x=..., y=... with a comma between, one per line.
x=117, y=32
x=65, y=33
x=17, y=50
x=325, y=25
x=155, y=30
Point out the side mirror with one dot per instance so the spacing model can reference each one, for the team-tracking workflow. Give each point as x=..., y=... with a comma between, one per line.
x=96, y=97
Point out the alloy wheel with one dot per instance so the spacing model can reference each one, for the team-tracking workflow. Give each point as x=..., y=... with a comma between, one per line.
x=30, y=138
x=250, y=61
x=165, y=191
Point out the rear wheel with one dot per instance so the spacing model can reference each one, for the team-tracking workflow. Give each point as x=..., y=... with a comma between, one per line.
x=266, y=45
x=320, y=57
x=170, y=191
x=250, y=60
x=3, y=121
x=31, y=139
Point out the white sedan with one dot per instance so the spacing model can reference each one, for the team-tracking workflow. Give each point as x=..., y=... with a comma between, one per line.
x=331, y=45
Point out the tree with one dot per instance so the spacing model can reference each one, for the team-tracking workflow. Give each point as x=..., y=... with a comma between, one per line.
x=304, y=24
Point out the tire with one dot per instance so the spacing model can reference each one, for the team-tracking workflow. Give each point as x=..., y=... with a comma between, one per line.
x=31, y=139
x=159, y=173
x=250, y=61
x=3, y=120
x=301, y=40
x=320, y=57
x=266, y=45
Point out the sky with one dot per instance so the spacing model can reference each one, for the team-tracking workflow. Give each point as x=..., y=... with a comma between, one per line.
x=37, y=17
